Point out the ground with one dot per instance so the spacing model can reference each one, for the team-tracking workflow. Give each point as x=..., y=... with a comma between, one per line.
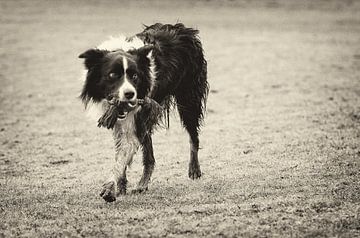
x=280, y=144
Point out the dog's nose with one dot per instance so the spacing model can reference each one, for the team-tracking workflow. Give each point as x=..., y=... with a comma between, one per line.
x=129, y=95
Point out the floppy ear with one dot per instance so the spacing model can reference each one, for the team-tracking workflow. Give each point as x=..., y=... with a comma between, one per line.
x=92, y=57
x=144, y=51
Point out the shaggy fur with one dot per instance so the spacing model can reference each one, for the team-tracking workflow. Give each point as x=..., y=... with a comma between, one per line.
x=163, y=66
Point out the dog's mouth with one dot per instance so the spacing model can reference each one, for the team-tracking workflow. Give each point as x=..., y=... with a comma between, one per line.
x=132, y=104
x=122, y=115
x=118, y=110
x=125, y=107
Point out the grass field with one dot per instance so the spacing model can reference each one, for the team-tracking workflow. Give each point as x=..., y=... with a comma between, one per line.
x=280, y=146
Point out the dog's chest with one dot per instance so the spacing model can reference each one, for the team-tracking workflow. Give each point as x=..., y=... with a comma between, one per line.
x=125, y=131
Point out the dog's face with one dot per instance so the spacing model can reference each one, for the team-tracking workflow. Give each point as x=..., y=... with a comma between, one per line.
x=124, y=75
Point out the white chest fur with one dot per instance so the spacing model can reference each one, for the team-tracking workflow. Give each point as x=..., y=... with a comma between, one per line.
x=126, y=140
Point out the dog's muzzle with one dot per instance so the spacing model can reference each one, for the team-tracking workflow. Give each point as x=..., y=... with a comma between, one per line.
x=118, y=110
x=123, y=107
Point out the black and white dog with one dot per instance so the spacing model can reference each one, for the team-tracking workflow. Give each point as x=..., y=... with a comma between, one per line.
x=163, y=64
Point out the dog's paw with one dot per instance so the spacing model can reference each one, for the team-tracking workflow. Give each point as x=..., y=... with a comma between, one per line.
x=121, y=191
x=139, y=190
x=108, y=192
x=121, y=186
x=194, y=172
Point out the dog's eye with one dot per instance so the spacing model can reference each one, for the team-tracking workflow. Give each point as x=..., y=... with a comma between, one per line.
x=135, y=78
x=113, y=76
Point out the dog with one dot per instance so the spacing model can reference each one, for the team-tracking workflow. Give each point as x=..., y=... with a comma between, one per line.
x=164, y=66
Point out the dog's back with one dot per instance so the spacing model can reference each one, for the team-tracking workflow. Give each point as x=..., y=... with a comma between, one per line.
x=180, y=65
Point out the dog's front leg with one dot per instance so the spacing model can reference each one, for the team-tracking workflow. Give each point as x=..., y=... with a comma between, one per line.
x=148, y=162
x=116, y=185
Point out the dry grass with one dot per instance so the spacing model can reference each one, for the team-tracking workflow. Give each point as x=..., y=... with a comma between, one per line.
x=280, y=146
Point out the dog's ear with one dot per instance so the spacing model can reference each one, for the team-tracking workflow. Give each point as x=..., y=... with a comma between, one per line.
x=144, y=51
x=92, y=57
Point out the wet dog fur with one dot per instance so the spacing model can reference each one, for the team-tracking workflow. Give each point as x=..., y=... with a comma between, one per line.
x=165, y=64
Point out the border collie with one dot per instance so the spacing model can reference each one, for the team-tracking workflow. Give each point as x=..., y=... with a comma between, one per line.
x=164, y=66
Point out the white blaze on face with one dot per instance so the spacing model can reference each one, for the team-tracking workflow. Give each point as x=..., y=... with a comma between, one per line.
x=125, y=64
x=126, y=86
